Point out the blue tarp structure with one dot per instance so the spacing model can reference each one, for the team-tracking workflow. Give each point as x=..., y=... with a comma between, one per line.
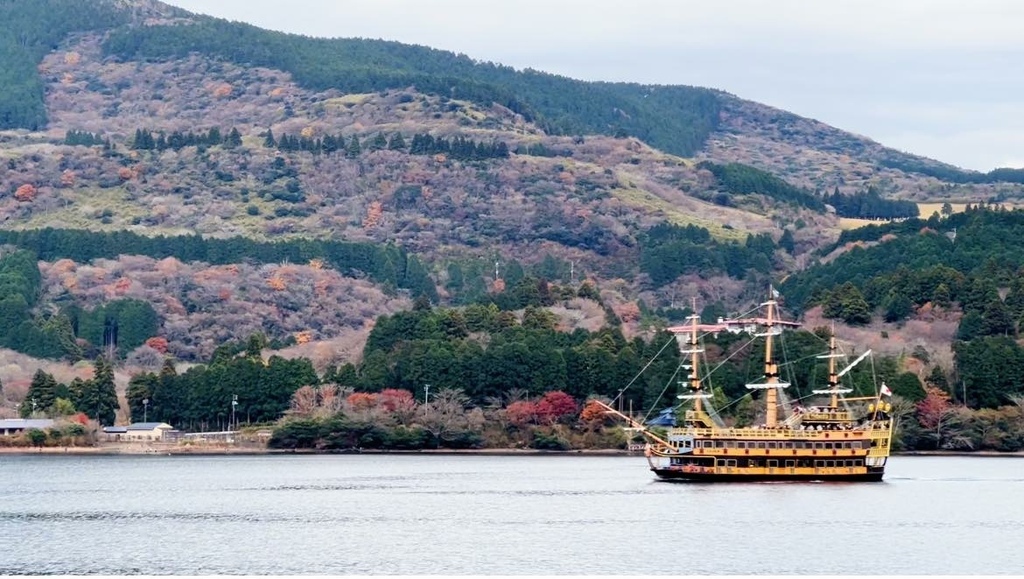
x=666, y=417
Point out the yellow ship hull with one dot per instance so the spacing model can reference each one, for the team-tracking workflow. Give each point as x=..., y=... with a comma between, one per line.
x=681, y=474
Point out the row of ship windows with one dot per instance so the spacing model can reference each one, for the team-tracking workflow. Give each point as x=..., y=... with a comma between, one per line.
x=776, y=445
x=792, y=463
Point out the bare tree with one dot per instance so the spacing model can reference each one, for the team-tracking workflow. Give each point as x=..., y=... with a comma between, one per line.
x=445, y=415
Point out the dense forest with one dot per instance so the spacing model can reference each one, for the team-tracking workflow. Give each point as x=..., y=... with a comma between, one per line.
x=739, y=179
x=983, y=242
x=668, y=251
x=869, y=204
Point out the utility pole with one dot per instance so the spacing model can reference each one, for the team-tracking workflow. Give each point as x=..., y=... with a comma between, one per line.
x=426, y=393
x=234, y=402
x=145, y=409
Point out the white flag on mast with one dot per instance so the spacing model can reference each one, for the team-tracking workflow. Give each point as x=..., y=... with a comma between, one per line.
x=885, y=390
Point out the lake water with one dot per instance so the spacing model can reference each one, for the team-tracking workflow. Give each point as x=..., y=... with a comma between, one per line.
x=415, y=514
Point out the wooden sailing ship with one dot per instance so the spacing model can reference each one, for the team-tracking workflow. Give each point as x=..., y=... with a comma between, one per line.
x=821, y=443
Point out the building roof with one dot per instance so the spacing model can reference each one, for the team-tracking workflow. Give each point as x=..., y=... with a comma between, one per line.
x=149, y=426
x=115, y=429
x=25, y=423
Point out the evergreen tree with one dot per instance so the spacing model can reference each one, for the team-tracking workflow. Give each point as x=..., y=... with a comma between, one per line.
x=234, y=138
x=269, y=142
x=996, y=319
x=397, y=142
x=353, y=149
x=897, y=307
x=378, y=143
x=848, y=304
x=786, y=242
x=42, y=393
x=941, y=296
x=99, y=397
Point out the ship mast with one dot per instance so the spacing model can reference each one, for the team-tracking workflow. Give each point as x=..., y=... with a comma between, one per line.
x=694, y=351
x=833, y=389
x=771, y=368
x=833, y=378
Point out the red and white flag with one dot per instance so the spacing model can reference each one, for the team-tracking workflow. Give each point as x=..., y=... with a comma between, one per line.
x=885, y=390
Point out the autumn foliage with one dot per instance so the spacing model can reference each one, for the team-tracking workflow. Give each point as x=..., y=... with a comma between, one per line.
x=26, y=193
x=158, y=343
x=392, y=399
x=373, y=215
x=521, y=413
x=554, y=406
x=361, y=400
x=934, y=407
x=593, y=413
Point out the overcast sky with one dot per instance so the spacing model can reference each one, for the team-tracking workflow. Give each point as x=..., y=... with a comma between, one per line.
x=939, y=78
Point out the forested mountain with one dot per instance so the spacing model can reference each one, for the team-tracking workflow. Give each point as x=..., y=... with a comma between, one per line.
x=173, y=183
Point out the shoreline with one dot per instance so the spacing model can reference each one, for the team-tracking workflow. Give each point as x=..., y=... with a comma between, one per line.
x=144, y=449
x=171, y=449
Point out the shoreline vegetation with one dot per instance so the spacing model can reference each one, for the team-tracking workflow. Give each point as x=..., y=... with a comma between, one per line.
x=174, y=449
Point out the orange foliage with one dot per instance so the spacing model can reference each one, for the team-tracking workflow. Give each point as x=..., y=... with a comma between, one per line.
x=394, y=399
x=122, y=285
x=174, y=306
x=307, y=132
x=64, y=266
x=934, y=407
x=222, y=90
x=628, y=312
x=67, y=178
x=72, y=58
x=303, y=337
x=125, y=173
x=277, y=92
x=499, y=286
x=277, y=283
x=67, y=78
x=224, y=294
x=440, y=158
x=26, y=192
x=373, y=214
x=158, y=343
x=361, y=400
x=593, y=412
x=316, y=264
x=69, y=281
